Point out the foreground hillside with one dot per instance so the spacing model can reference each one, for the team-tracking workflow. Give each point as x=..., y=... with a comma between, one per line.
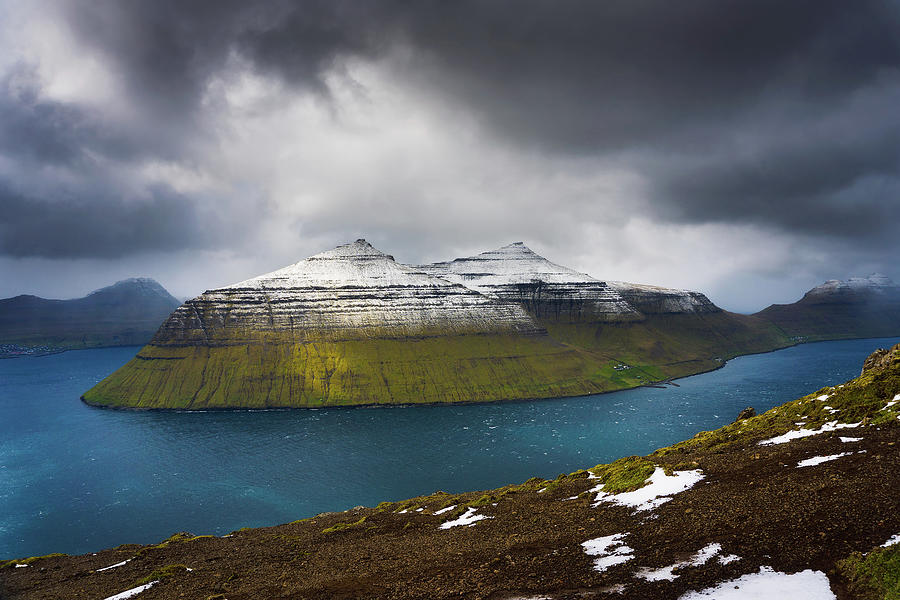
x=798, y=502
x=351, y=326
x=126, y=313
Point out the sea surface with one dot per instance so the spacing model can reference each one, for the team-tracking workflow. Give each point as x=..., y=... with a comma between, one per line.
x=77, y=479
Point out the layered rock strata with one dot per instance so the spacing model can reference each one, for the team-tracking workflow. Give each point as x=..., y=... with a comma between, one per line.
x=516, y=274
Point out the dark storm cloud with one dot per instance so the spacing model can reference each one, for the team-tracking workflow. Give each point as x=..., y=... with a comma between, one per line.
x=90, y=225
x=46, y=132
x=670, y=89
x=572, y=76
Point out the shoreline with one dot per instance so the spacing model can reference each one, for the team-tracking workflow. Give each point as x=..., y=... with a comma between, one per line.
x=663, y=383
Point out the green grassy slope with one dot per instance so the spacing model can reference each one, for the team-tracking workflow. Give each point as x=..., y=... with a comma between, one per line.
x=673, y=345
x=275, y=370
x=463, y=368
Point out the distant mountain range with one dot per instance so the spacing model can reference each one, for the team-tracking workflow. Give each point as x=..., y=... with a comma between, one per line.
x=126, y=313
x=353, y=326
x=857, y=308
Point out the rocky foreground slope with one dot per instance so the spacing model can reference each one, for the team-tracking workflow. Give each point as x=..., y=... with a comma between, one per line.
x=799, y=502
x=353, y=326
x=126, y=313
x=857, y=308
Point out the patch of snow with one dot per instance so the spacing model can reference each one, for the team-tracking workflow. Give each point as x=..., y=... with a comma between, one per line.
x=133, y=591
x=443, y=510
x=118, y=564
x=802, y=433
x=419, y=509
x=823, y=397
x=609, y=550
x=542, y=490
x=18, y=566
x=403, y=512
x=768, y=583
x=818, y=460
x=726, y=559
x=894, y=539
x=890, y=404
x=659, y=490
x=468, y=519
x=849, y=439
x=569, y=498
x=702, y=557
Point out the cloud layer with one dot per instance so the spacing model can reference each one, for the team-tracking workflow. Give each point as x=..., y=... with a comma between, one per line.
x=748, y=149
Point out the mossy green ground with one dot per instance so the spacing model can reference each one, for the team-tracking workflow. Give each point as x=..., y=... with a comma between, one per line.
x=875, y=575
x=276, y=371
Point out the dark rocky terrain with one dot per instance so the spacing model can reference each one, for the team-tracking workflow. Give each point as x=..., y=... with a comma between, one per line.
x=802, y=498
x=126, y=313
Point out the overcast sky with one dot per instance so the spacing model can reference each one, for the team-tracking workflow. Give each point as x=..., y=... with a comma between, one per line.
x=749, y=150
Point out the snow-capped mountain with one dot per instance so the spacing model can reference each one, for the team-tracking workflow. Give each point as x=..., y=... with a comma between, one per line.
x=353, y=291
x=516, y=273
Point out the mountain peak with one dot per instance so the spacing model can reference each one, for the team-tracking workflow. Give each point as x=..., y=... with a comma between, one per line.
x=360, y=249
x=146, y=286
x=854, y=289
x=353, y=264
x=514, y=250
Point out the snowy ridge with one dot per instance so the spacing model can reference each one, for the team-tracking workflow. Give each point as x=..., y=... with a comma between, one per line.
x=353, y=291
x=516, y=273
x=512, y=264
x=834, y=289
x=651, y=299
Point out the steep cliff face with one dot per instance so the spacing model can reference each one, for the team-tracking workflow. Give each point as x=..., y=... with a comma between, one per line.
x=127, y=312
x=654, y=300
x=858, y=307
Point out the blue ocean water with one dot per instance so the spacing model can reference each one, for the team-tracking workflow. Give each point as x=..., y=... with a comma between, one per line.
x=77, y=479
